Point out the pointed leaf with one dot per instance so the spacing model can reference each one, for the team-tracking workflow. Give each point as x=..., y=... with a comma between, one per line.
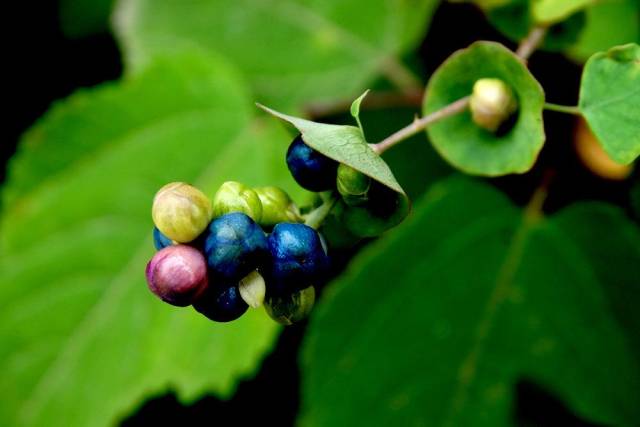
x=344, y=144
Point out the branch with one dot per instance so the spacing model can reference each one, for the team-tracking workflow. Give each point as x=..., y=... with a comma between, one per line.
x=531, y=42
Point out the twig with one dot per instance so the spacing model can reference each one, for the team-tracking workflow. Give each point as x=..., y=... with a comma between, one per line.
x=531, y=42
x=372, y=101
x=420, y=124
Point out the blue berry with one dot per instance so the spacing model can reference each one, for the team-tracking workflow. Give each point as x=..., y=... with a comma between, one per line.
x=298, y=259
x=234, y=246
x=221, y=304
x=160, y=241
x=312, y=170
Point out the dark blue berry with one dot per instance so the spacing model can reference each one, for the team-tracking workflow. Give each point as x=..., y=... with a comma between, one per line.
x=160, y=241
x=234, y=246
x=311, y=169
x=221, y=303
x=298, y=259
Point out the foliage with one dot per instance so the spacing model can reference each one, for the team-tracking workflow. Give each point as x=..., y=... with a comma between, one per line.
x=434, y=323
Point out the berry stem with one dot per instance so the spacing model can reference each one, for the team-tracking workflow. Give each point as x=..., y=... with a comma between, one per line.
x=568, y=109
x=316, y=217
x=419, y=124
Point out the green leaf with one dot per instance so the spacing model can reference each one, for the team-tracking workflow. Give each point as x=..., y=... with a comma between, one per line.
x=608, y=23
x=610, y=100
x=552, y=11
x=436, y=325
x=81, y=18
x=344, y=144
x=515, y=20
x=355, y=109
x=82, y=340
x=293, y=52
x=464, y=144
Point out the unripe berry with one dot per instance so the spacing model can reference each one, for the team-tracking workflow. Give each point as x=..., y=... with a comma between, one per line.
x=292, y=307
x=297, y=258
x=311, y=169
x=160, y=241
x=491, y=103
x=276, y=206
x=253, y=289
x=352, y=185
x=221, y=303
x=181, y=212
x=384, y=209
x=177, y=274
x=234, y=246
x=236, y=197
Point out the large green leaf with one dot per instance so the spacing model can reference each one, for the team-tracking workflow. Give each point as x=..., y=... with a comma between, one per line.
x=437, y=324
x=608, y=23
x=292, y=51
x=468, y=146
x=610, y=100
x=82, y=339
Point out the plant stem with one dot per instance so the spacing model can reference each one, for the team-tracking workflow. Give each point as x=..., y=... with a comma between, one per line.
x=383, y=99
x=316, y=217
x=420, y=124
x=531, y=42
x=568, y=109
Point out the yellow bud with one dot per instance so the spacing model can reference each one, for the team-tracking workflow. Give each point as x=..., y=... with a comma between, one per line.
x=492, y=103
x=181, y=212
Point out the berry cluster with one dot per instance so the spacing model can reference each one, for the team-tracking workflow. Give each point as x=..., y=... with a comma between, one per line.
x=249, y=247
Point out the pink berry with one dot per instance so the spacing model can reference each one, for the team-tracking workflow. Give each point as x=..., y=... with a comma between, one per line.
x=177, y=274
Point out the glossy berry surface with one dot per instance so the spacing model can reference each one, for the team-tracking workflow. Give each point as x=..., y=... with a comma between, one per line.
x=181, y=211
x=298, y=259
x=221, y=304
x=234, y=246
x=160, y=241
x=312, y=170
x=177, y=275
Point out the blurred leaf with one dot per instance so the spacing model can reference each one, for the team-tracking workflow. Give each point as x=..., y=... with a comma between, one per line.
x=292, y=51
x=610, y=100
x=635, y=198
x=485, y=4
x=344, y=144
x=82, y=339
x=515, y=20
x=436, y=325
x=608, y=23
x=552, y=11
x=464, y=144
x=81, y=18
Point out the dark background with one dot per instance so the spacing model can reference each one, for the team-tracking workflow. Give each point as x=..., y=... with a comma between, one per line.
x=45, y=66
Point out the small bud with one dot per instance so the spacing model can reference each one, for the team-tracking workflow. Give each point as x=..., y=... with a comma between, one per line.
x=236, y=197
x=276, y=206
x=177, y=274
x=492, y=102
x=291, y=308
x=181, y=212
x=252, y=289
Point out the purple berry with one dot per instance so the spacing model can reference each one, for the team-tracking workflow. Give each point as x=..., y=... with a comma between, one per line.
x=177, y=274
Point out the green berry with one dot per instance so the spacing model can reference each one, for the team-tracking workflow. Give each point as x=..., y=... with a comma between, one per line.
x=236, y=197
x=384, y=209
x=276, y=206
x=492, y=103
x=352, y=185
x=291, y=308
x=181, y=212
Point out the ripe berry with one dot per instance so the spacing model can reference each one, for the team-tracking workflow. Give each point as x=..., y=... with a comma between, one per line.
x=160, y=241
x=181, y=212
x=298, y=259
x=234, y=246
x=311, y=169
x=177, y=274
x=221, y=303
